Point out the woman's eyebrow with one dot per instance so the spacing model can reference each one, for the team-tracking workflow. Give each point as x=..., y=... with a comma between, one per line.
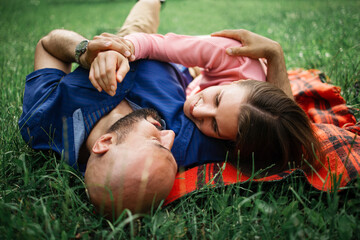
x=219, y=100
x=220, y=97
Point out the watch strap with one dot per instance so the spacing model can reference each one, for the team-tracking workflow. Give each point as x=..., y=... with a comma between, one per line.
x=80, y=50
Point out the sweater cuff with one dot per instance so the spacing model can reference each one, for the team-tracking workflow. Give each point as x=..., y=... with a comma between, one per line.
x=135, y=39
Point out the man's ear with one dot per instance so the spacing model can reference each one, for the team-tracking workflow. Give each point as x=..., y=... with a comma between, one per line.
x=102, y=145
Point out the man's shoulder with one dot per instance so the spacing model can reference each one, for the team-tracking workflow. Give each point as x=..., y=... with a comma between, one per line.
x=51, y=99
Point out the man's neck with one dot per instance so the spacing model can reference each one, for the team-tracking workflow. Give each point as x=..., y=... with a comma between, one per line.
x=101, y=127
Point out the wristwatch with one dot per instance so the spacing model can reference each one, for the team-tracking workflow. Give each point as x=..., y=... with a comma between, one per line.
x=80, y=50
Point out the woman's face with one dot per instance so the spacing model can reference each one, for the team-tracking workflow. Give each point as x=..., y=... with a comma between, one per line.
x=215, y=110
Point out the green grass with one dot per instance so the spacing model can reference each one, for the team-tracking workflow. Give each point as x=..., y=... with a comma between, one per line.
x=41, y=197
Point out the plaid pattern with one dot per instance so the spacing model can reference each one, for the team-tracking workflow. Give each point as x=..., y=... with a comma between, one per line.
x=334, y=124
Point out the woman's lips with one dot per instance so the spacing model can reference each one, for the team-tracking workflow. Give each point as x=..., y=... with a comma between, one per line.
x=192, y=106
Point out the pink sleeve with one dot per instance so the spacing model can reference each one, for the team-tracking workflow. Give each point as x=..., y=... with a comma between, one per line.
x=206, y=52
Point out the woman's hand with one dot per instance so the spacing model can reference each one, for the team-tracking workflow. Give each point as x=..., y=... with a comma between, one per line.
x=105, y=42
x=253, y=45
x=108, y=68
x=256, y=46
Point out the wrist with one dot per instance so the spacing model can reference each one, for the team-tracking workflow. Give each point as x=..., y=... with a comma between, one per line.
x=131, y=45
x=80, y=49
x=83, y=61
x=274, y=52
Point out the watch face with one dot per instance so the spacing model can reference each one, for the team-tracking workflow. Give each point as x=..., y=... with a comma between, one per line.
x=81, y=47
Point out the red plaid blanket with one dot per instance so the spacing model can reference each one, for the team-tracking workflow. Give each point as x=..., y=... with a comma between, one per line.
x=333, y=122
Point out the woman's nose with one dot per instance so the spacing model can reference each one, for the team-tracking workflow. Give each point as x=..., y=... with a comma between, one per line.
x=204, y=111
x=167, y=138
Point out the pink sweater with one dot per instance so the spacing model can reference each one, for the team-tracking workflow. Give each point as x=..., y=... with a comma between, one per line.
x=205, y=52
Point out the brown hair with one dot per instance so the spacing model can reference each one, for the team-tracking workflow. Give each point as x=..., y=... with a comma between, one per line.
x=273, y=131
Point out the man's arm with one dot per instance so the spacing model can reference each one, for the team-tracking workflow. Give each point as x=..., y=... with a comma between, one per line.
x=57, y=50
x=256, y=46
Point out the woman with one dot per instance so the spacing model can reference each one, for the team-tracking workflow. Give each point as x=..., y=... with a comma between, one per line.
x=265, y=126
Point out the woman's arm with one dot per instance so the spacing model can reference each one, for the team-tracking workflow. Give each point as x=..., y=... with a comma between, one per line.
x=205, y=52
x=186, y=50
x=256, y=46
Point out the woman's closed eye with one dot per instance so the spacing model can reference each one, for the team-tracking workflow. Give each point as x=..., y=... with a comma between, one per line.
x=215, y=126
x=217, y=101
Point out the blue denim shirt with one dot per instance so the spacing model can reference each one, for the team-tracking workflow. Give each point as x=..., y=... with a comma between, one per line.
x=59, y=110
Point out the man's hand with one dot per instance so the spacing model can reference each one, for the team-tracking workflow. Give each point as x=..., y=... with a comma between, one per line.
x=253, y=45
x=105, y=42
x=108, y=68
x=106, y=56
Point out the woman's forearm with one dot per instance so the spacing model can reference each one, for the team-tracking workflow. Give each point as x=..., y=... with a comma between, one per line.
x=186, y=50
x=277, y=72
x=205, y=52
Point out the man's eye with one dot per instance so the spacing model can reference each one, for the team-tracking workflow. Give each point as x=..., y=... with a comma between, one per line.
x=156, y=124
x=159, y=127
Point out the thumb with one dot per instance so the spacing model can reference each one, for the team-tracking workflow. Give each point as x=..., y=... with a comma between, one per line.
x=97, y=46
x=225, y=33
x=237, y=51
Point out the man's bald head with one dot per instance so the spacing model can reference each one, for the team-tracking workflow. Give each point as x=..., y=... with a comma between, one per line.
x=131, y=169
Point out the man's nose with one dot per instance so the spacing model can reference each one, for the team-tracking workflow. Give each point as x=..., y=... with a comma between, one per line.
x=204, y=111
x=167, y=138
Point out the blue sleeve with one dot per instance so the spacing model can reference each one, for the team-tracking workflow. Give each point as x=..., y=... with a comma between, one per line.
x=39, y=84
x=39, y=87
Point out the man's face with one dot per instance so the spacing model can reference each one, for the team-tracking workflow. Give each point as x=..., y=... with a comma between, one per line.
x=137, y=167
x=142, y=129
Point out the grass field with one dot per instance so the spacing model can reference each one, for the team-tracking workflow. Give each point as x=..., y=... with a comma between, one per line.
x=43, y=198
